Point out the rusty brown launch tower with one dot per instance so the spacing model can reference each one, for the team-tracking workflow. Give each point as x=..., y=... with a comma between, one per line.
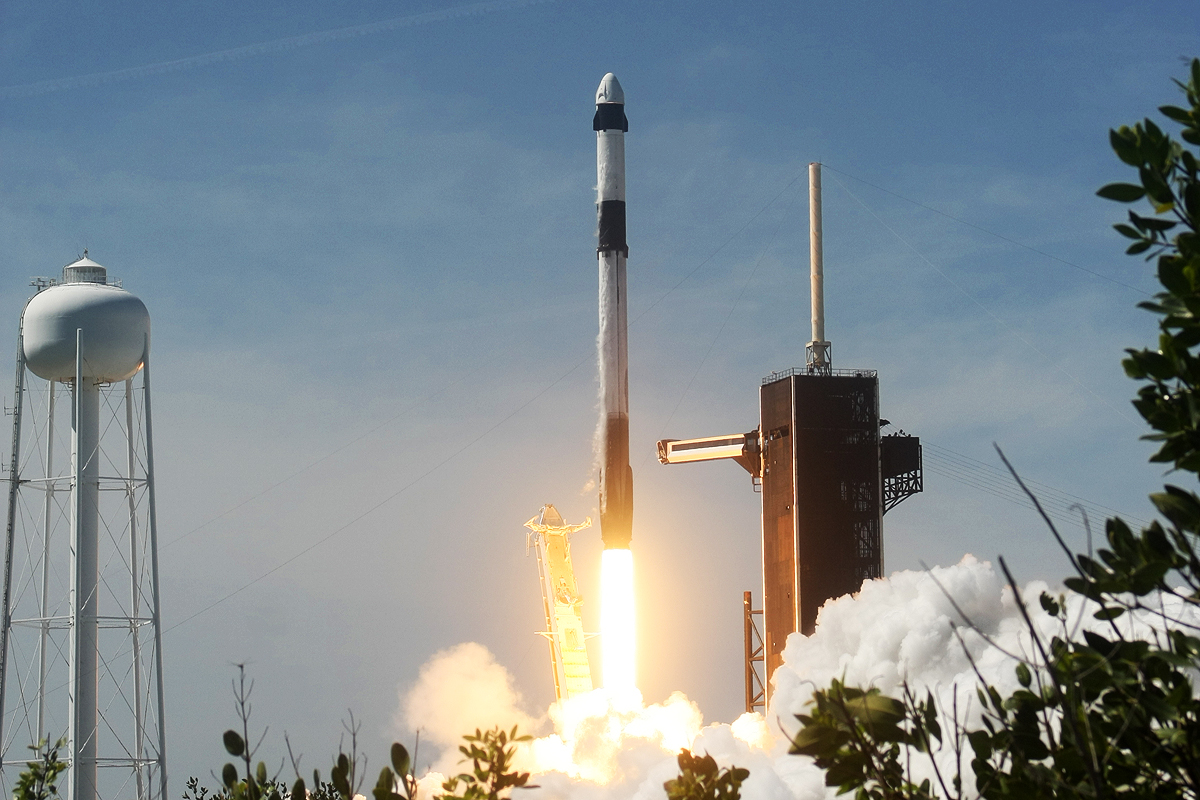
x=827, y=477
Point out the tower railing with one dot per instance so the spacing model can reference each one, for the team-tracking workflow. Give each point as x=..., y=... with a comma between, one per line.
x=836, y=373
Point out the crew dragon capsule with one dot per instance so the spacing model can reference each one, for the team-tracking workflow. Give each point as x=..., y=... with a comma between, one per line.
x=616, y=477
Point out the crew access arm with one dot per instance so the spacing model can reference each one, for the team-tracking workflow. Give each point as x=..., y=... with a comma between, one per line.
x=560, y=596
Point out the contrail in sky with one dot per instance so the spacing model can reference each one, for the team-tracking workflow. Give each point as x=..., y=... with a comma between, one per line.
x=262, y=48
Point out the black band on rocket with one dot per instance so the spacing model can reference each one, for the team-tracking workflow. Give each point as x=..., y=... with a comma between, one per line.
x=610, y=117
x=612, y=226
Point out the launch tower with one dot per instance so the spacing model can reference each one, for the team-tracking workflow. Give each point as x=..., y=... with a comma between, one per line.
x=826, y=475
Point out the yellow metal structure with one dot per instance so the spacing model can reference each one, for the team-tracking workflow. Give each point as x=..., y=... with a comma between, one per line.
x=560, y=596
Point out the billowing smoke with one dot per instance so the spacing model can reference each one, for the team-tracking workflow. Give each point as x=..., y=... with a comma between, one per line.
x=895, y=630
x=460, y=689
x=903, y=629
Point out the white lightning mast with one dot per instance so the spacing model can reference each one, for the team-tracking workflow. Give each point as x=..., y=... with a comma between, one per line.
x=817, y=353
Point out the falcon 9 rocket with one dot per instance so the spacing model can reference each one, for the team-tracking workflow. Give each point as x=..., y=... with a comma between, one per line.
x=616, y=477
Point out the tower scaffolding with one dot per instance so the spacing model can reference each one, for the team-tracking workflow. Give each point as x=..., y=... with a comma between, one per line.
x=548, y=535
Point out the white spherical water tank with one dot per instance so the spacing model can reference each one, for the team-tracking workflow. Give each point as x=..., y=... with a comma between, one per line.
x=115, y=324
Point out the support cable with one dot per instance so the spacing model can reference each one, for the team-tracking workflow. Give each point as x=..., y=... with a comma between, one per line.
x=1016, y=334
x=982, y=229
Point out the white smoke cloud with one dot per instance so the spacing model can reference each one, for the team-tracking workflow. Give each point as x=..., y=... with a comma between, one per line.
x=902, y=629
x=894, y=630
x=458, y=690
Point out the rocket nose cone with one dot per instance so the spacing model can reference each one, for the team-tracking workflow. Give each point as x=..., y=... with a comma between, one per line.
x=610, y=90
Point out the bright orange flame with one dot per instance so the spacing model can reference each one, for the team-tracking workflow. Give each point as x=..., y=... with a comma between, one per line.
x=618, y=629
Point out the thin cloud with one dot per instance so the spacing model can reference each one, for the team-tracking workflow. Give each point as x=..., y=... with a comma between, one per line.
x=262, y=48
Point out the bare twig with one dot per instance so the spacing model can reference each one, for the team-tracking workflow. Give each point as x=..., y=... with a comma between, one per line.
x=1050, y=524
x=1045, y=517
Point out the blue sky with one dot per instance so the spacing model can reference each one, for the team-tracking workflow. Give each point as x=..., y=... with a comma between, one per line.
x=374, y=255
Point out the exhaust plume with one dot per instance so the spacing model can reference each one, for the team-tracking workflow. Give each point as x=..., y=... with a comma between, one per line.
x=611, y=745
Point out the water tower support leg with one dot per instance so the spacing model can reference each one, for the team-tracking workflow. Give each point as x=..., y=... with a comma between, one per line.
x=6, y=622
x=86, y=579
x=135, y=625
x=47, y=523
x=155, y=614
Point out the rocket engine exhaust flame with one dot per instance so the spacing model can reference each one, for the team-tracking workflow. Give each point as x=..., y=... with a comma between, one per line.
x=618, y=626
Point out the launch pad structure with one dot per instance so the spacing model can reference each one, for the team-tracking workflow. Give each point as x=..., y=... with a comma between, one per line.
x=827, y=477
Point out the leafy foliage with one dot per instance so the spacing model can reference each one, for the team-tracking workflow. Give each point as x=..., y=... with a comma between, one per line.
x=491, y=777
x=1098, y=714
x=400, y=776
x=39, y=779
x=396, y=782
x=1168, y=179
x=254, y=782
x=700, y=779
x=863, y=740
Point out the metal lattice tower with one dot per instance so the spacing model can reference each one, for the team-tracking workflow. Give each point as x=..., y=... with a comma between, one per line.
x=81, y=636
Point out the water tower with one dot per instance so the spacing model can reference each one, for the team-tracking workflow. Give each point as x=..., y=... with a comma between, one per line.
x=80, y=639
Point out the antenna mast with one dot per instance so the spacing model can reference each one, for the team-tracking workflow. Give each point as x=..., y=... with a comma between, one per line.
x=817, y=353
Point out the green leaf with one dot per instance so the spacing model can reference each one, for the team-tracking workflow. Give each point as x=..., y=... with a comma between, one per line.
x=1155, y=224
x=234, y=744
x=877, y=709
x=808, y=741
x=1023, y=675
x=229, y=775
x=339, y=775
x=1122, y=192
x=981, y=743
x=400, y=759
x=383, y=787
x=1178, y=114
x=1124, y=144
x=1049, y=604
